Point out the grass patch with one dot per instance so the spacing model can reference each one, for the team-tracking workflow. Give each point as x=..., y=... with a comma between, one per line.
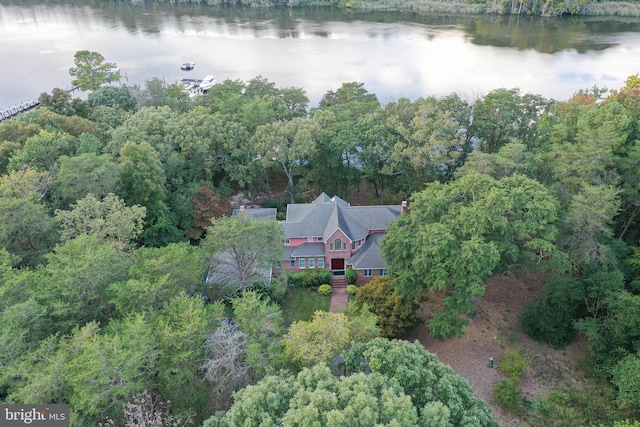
x=300, y=304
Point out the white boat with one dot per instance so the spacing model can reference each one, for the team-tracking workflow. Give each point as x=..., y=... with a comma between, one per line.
x=187, y=66
x=111, y=67
x=207, y=83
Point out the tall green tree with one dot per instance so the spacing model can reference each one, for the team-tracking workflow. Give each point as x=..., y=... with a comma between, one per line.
x=109, y=220
x=457, y=234
x=289, y=145
x=241, y=251
x=504, y=115
x=74, y=284
x=316, y=397
x=83, y=174
x=263, y=324
x=440, y=396
x=142, y=178
x=90, y=71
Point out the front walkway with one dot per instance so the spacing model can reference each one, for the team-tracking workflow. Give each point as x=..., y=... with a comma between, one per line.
x=338, y=299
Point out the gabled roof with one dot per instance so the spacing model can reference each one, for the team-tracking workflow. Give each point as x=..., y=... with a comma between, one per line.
x=325, y=215
x=369, y=256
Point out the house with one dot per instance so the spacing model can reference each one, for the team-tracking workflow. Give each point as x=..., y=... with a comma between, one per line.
x=330, y=233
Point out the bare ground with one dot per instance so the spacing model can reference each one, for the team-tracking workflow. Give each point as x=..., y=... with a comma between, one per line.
x=495, y=328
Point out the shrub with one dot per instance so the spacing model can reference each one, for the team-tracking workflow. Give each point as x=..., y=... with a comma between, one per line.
x=325, y=290
x=275, y=288
x=352, y=289
x=514, y=364
x=396, y=313
x=351, y=276
x=551, y=319
x=295, y=280
x=506, y=393
x=316, y=277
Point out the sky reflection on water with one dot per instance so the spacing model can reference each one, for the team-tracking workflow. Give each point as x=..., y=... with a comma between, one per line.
x=394, y=59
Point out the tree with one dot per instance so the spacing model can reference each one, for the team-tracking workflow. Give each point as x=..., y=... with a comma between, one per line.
x=431, y=143
x=504, y=116
x=183, y=325
x=435, y=390
x=83, y=174
x=240, y=251
x=396, y=312
x=110, y=369
x=26, y=229
x=335, y=162
x=74, y=284
x=142, y=179
x=263, y=324
x=42, y=151
x=110, y=96
x=316, y=397
x=109, y=220
x=206, y=206
x=319, y=340
x=289, y=144
x=625, y=377
x=457, y=234
x=91, y=71
x=225, y=366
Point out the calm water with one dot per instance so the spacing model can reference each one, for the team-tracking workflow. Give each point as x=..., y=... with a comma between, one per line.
x=394, y=54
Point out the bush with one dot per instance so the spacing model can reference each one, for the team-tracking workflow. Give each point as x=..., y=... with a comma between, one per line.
x=295, y=280
x=514, y=364
x=506, y=393
x=316, y=277
x=396, y=313
x=351, y=276
x=275, y=288
x=352, y=289
x=325, y=290
x=551, y=319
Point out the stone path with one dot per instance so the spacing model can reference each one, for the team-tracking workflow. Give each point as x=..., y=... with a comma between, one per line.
x=338, y=299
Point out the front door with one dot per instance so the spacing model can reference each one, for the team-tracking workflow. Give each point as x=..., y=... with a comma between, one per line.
x=337, y=266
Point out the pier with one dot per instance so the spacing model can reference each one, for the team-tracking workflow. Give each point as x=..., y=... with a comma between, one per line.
x=17, y=109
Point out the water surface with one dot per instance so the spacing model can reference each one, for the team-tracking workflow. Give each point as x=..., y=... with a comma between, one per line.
x=394, y=54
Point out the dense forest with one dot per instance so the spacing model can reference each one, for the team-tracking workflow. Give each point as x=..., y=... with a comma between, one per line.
x=108, y=225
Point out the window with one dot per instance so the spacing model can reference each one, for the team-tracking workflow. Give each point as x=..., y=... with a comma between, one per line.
x=383, y=271
x=286, y=240
x=279, y=264
x=301, y=262
x=293, y=263
x=320, y=239
x=309, y=239
x=353, y=245
x=331, y=247
x=312, y=263
x=320, y=262
x=338, y=244
x=368, y=272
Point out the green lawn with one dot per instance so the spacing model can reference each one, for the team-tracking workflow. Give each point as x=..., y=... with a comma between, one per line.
x=301, y=303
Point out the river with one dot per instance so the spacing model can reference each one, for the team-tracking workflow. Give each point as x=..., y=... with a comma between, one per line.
x=394, y=54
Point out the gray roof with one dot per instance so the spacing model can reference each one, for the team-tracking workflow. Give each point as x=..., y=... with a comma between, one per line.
x=369, y=255
x=308, y=249
x=253, y=213
x=325, y=215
